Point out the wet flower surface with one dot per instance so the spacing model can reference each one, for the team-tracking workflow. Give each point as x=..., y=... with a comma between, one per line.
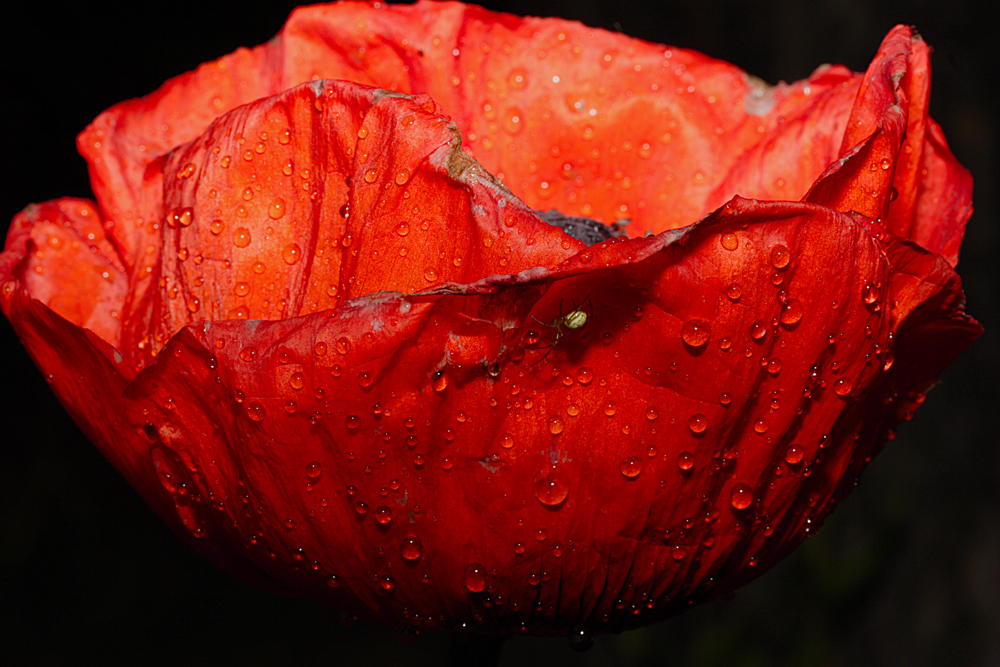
x=333, y=352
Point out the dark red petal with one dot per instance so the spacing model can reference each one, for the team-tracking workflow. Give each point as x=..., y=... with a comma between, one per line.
x=89, y=376
x=325, y=427
x=326, y=192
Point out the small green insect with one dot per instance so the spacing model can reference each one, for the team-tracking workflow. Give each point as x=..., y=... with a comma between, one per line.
x=563, y=324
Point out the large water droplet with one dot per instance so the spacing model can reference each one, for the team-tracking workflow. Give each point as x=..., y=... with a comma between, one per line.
x=475, y=577
x=741, y=497
x=685, y=460
x=791, y=312
x=439, y=381
x=255, y=411
x=291, y=253
x=696, y=332
x=383, y=514
x=630, y=467
x=794, y=454
x=729, y=241
x=241, y=237
x=780, y=256
x=276, y=209
x=552, y=486
x=411, y=548
x=698, y=423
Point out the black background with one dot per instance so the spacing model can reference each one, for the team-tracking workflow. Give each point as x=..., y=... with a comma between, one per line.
x=904, y=572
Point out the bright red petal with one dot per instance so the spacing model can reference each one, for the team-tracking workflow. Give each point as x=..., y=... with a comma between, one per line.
x=263, y=224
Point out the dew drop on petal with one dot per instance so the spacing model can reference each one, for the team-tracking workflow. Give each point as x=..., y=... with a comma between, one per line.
x=610, y=409
x=255, y=411
x=475, y=578
x=842, y=387
x=314, y=469
x=780, y=256
x=725, y=398
x=506, y=441
x=370, y=176
x=383, y=514
x=791, y=312
x=760, y=426
x=241, y=237
x=552, y=486
x=758, y=330
x=439, y=381
x=685, y=460
x=555, y=425
x=353, y=422
x=734, y=292
x=729, y=241
x=741, y=496
x=794, y=454
x=630, y=467
x=217, y=227
x=411, y=548
x=698, y=423
x=277, y=208
x=343, y=345
x=291, y=253
x=585, y=375
x=696, y=332
x=388, y=583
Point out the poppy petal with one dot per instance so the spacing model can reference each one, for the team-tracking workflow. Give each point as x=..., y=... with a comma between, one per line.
x=390, y=203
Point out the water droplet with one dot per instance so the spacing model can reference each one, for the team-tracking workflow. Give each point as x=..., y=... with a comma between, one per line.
x=353, y=422
x=555, y=425
x=869, y=294
x=276, y=209
x=370, y=175
x=241, y=237
x=388, y=583
x=794, y=454
x=446, y=463
x=513, y=121
x=678, y=553
x=383, y=514
x=439, y=381
x=411, y=548
x=217, y=227
x=552, y=486
x=517, y=79
x=652, y=414
x=630, y=467
x=685, y=460
x=610, y=409
x=506, y=441
x=758, y=330
x=780, y=257
x=734, y=292
x=475, y=578
x=361, y=507
x=741, y=497
x=519, y=548
x=402, y=176
x=729, y=241
x=842, y=387
x=774, y=366
x=365, y=379
x=343, y=345
x=791, y=312
x=320, y=349
x=430, y=274
x=297, y=381
x=291, y=253
x=696, y=332
x=725, y=398
x=314, y=469
x=760, y=426
x=698, y=423
x=255, y=411
x=541, y=535
x=403, y=229
x=248, y=354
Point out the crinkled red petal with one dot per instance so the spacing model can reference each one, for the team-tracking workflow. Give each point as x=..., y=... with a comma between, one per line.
x=377, y=458
x=326, y=192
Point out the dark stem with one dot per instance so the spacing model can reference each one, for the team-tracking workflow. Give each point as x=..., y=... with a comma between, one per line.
x=471, y=650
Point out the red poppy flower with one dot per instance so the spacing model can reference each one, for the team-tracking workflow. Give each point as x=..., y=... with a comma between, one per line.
x=317, y=321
